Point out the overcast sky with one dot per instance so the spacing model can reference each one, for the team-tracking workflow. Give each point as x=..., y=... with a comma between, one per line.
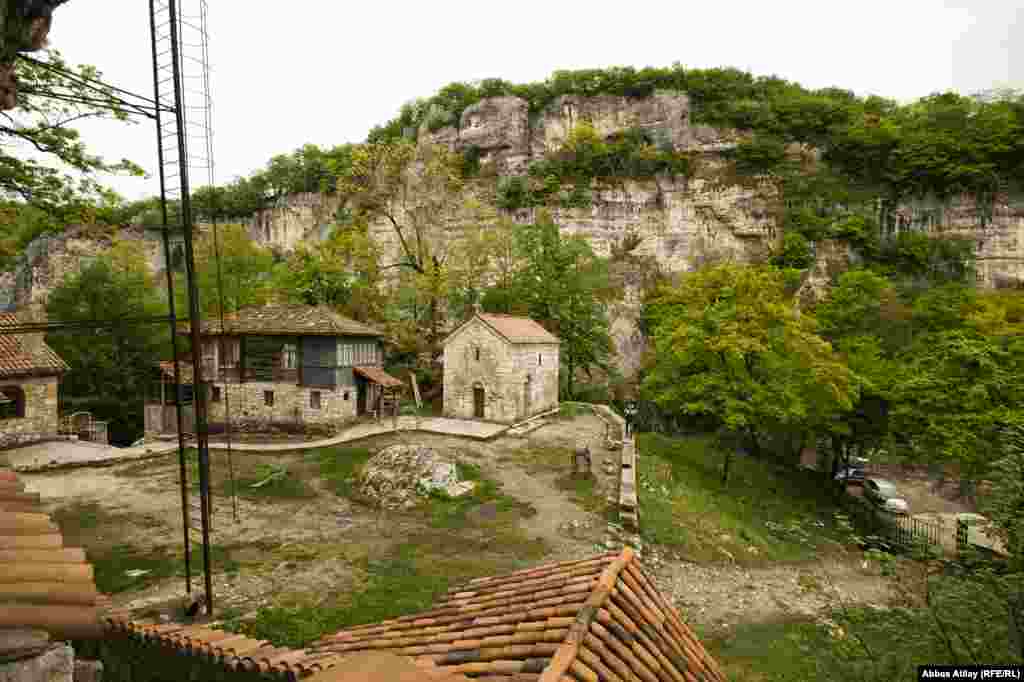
x=283, y=75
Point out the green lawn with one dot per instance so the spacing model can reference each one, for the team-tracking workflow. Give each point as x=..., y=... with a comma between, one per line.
x=762, y=514
x=859, y=645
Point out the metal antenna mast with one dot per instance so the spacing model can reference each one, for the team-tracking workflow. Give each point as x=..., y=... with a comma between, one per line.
x=181, y=86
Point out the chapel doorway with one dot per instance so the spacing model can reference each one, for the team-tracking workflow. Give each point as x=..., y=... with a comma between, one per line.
x=527, y=390
x=478, y=402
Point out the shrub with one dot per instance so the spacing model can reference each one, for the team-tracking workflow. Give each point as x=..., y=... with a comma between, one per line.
x=796, y=252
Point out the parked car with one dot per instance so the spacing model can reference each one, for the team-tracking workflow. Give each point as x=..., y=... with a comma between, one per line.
x=883, y=494
x=850, y=476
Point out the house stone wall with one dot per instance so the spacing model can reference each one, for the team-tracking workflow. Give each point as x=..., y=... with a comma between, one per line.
x=40, y=421
x=501, y=371
x=291, y=404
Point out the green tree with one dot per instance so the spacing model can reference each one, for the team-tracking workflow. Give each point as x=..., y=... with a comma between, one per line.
x=563, y=285
x=110, y=366
x=419, y=192
x=42, y=121
x=342, y=272
x=728, y=344
x=246, y=270
x=952, y=392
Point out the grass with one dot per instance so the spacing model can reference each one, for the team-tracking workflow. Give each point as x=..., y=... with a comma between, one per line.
x=458, y=512
x=584, y=492
x=767, y=652
x=112, y=565
x=762, y=514
x=339, y=467
x=859, y=643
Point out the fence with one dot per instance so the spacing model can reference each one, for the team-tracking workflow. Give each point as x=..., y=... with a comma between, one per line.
x=903, y=532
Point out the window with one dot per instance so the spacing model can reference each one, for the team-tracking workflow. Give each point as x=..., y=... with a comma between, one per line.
x=314, y=400
x=539, y=362
x=346, y=395
x=12, y=403
x=354, y=353
x=289, y=356
x=215, y=394
x=230, y=353
x=268, y=398
x=478, y=353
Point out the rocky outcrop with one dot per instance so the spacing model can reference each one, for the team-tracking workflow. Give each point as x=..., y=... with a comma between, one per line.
x=681, y=223
x=50, y=258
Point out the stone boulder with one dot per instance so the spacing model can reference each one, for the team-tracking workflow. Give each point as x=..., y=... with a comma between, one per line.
x=401, y=476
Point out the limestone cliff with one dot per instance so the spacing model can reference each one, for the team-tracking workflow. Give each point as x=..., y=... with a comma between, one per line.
x=682, y=223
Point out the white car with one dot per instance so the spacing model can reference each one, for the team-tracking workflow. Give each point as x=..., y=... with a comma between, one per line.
x=895, y=505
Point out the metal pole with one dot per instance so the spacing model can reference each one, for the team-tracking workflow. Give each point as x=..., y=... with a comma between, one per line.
x=227, y=394
x=174, y=323
x=199, y=395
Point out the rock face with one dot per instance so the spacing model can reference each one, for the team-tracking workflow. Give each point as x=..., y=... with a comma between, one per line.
x=49, y=259
x=401, y=476
x=682, y=223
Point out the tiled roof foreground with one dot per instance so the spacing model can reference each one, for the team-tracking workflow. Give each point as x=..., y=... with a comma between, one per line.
x=589, y=620
x=43, y=585
x=18, y=358
x=286, y=319
x=232, y=651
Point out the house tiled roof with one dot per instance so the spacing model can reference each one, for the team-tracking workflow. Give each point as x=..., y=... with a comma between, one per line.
x=286, y=319
x=232, y=651
x=513, y=329
x=43, y=584
x=18, y=358
x=379, y=376
x=184, y=369
x=588, y=620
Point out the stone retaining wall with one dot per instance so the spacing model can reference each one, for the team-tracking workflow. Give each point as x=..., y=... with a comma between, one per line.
x=615, y=438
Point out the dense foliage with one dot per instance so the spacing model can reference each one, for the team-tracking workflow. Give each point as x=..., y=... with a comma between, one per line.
x=110, y=367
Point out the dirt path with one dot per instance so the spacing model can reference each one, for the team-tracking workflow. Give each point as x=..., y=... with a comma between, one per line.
x=719, y=596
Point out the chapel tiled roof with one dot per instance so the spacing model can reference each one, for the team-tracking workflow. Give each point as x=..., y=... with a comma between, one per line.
x=231, y=651
x=43, y=584
x=514, y=329
x=518, y=329
x=594, y=619
x=286, y=319
x=18, y=358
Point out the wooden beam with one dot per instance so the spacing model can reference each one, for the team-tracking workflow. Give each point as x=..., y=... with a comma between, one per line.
x=416, y=390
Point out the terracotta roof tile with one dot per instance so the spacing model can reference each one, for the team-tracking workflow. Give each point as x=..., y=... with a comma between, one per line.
x=518, y=329
x=514, y=329
x=19, y=358
x=599, y=618
x=233, y=651
x=43, y=585
x=379, y=376
x=184, y=368
x=298, y=320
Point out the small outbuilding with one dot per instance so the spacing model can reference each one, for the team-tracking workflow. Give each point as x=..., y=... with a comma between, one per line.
x=500, y=368
x=30, y=372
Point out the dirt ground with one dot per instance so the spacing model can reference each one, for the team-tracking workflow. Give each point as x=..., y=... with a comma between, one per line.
x=300, y=551
x=284, y=550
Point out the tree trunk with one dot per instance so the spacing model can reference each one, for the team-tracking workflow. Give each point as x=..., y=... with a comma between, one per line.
x=570, y=369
